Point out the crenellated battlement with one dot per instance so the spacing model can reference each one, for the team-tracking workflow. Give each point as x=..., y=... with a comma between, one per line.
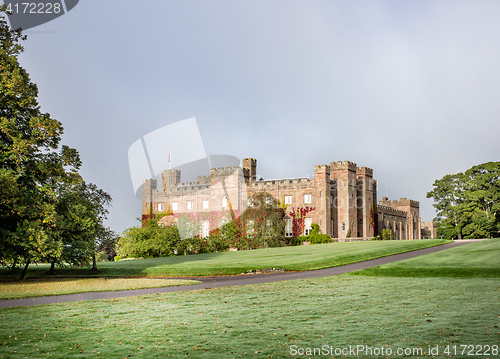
x=390, y=211
x=282, y=184
x=346, y=165
x=149, y=182
x=364, y=171
x=223, y=172
x=400, y=202
x=203, y=179
x=322, y=169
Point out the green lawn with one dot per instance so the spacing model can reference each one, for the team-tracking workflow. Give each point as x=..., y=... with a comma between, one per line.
x=481, y=259
x=265, y=321
x=299, y=258
x=39, y=287
x=274, y=320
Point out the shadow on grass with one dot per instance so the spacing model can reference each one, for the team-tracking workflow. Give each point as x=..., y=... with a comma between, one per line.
x=124, y=268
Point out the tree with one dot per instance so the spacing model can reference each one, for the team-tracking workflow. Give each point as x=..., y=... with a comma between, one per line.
x=262, y=222
x=33, y=167
x=468, y=204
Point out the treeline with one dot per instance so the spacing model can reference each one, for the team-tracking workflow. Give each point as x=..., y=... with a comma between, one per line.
x=48, y=213
x=468, y=204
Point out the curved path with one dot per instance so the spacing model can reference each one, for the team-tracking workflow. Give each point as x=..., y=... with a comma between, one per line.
x=227, y=281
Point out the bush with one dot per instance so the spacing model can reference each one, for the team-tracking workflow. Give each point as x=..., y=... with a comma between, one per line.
x=315, y=236
x=386, y=235
x=318, y=238
x=150, y=240
x=299, y=240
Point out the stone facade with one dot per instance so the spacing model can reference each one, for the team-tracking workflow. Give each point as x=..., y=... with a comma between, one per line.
x=429, y=229
x=344, y=197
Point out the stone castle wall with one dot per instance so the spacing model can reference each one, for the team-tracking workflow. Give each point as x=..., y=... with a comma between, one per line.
x=344, y=197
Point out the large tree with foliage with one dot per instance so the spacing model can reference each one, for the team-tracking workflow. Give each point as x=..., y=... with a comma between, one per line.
x=468, y=204
x=38, y=177
x=262, y=224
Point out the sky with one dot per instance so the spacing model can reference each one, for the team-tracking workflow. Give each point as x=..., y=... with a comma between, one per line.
x=408, y=88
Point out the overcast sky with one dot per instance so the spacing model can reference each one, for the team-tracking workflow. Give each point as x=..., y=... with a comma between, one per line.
x=408, y=88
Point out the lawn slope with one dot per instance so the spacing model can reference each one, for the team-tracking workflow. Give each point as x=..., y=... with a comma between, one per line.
x=475, y=260
x=299, y=258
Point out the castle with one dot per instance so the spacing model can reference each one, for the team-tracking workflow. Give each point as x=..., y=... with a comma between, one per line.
x=344, y=198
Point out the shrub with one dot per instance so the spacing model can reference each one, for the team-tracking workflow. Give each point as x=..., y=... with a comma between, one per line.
x=299, y=240
x=150, y=240
x=386, y=234
x=318, y=238
x=315, y=236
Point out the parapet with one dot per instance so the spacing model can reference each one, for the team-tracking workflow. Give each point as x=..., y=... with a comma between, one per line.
x=281, y=184
x=224, y=172
x=397, y=203
x=346, y=165
x=322, y=169
x=149, y=182
x=203, y=180
x=381, y=209
x=364, y=171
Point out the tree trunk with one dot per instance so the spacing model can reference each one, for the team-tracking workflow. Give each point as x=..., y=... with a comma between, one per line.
x=94, y=264
x=52, y=267
x=25, y=269
x=14, y=265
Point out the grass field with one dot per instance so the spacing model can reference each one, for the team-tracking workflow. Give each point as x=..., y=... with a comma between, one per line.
x=481, y=259
x=56, y=286
x=299, y=258
x=276, y=320
x=265, y=321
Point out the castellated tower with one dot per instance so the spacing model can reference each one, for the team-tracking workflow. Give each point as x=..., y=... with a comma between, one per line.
x=170, y=179
x=366, y=201
x=344, y=175
x=322, y=196
x=148, y=191
x=250, y=169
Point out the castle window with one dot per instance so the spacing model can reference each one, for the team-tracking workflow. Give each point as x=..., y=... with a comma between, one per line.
x=190, y=205
x=307, y=226
x=288, y=227
x=205, y=229
x=175, y=206
x=307, y=198
x=160, y=207
x=224, y=201
x=343, y=226
x=288, y=199
x=205, y=204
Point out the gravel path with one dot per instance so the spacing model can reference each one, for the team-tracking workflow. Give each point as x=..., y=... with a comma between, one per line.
x=227, y=281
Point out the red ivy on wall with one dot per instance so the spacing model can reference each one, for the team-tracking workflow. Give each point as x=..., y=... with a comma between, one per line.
x=298, y=215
